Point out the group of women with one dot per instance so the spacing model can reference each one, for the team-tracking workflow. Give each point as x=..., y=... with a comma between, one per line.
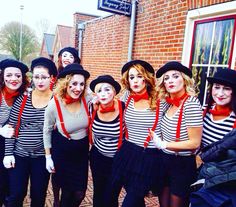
x=145, y=141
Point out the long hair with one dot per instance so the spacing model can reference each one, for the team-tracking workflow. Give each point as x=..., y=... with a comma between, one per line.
x=59, y=62
x=24, y=85
x=210, y=100
x=188, y=83
x=63, y=83
x=149, y=80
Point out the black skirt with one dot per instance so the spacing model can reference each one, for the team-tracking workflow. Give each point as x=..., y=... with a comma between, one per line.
x=138, y=170
x=71, y=162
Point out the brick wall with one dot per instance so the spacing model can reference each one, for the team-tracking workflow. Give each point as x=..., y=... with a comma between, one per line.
x=194, y=4
x=105, y=45
x=79, y=18
x=159, y=36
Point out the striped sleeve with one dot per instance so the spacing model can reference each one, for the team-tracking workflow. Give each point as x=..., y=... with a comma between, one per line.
x=10, y=142
x=193, y=112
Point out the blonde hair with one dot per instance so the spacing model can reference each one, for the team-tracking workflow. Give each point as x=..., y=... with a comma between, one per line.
x=189, y=84
x=99, y=85
x=149, y=80
x=63, y=83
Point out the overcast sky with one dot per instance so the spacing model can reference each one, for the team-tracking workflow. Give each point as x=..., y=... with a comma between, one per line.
x=52, y=11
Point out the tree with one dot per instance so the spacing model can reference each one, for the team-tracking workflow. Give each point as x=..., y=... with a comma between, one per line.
x=10, y=40
x=43, y=26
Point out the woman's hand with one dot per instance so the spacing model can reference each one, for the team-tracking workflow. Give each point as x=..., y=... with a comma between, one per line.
x=160, y=144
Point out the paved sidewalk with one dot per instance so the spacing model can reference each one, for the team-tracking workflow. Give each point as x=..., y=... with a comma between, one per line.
x=87, y=202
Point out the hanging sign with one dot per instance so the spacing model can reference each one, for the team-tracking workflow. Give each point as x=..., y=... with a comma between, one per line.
x=115, y=6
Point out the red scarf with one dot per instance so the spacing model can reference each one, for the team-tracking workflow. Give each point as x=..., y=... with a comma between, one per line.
x=222, y=112
x=138, y=97
x=69, y=100
x=176, y=101
x=108, y=109
x=52, y=82
x=8, y=95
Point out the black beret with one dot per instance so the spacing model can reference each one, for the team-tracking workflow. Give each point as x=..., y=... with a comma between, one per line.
x=45, y=62
x=73, y=68
x=105, y=79
x=225, y=77
x=143, y=63
x=71, y=50
x=14, y=63
x=173, y=65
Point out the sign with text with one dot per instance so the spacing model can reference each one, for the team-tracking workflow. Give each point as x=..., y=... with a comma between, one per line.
x=115, y=6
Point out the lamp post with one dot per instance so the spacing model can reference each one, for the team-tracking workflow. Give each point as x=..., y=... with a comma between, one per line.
x=21, y=31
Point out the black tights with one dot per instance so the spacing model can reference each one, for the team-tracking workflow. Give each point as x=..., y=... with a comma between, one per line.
x=168, y=199
x=56, y=192
x=71, y=199
x=132, y=200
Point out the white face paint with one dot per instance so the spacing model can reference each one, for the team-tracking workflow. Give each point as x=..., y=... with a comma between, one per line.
x=105, y=94
x=12, y=78
x=76, y=86
x=67, y=58
x=221, y=94
x=174, y=82
x=136, y=81
x=41, y=78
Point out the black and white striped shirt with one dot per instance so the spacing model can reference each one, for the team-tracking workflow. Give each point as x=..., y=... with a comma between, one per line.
x=106, y=134
x=215, y=130
x=192, y=117
x=138, y=123
x=30, y=138
x=4, y=111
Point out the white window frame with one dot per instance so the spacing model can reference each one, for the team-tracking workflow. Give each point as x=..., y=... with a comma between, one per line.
x=218, y=10
x=215, y=11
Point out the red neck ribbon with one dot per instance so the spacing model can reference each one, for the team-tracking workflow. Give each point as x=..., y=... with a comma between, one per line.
x=176, y=101
x=69, y=100
x=138, y=97
x=107, y=109
x=8, y=95
x=52, y=83
x=221, y=112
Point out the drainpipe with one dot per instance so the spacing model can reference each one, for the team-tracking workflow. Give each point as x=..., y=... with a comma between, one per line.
x=132, y=27
x=81, y=28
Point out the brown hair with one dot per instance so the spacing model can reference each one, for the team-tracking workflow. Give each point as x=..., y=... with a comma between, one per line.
x=59, y=63
x=149, y=80
x=188, y=82
x=24, y=85
x=62, y=84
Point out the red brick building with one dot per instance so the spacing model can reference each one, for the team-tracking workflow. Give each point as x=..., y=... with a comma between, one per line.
x=199, y=33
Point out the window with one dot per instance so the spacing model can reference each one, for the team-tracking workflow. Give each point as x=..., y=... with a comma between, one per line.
x=212, y=47
x=209, y=42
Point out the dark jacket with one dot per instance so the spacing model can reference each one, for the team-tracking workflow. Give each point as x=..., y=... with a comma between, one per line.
x=219, y=161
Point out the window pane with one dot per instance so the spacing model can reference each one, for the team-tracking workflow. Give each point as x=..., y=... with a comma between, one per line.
x=222, y=42
x=199, y=75
x=202, y=43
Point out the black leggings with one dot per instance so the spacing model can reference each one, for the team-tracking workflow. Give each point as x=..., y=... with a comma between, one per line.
x=132, y=200
x=71, y=199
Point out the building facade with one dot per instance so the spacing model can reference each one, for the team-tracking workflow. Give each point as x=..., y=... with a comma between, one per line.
x=198, y=33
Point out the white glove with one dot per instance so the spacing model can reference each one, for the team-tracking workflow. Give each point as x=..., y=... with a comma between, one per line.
x=160, y=144
x=9, y=161
x=49, y=164
x=7, y=131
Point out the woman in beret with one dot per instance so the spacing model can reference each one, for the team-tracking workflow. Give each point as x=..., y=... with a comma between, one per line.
x=13, y=82
x=137, y=164
x=108, y=132
x=66, y=56
x=24, y=153
x=68, y=146
x=218, y=139
x=181, y=128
